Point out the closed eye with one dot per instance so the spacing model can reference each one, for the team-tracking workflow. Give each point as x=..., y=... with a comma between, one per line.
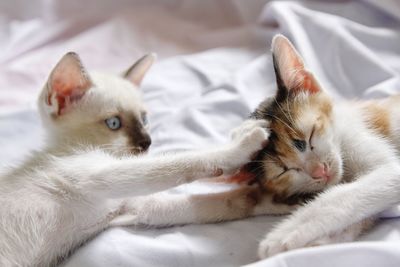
x=285, y=170
x=279, y=175
x=311, y=136
x=301, y=145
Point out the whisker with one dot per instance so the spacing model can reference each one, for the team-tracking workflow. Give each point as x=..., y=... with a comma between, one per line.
x=262, y=161
x=284, y=113
x=289, y=112
x=287, y=125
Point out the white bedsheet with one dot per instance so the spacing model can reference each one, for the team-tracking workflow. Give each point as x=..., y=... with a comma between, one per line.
x=213, y=71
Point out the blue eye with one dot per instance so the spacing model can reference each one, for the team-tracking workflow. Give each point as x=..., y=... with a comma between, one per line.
x=144, y=119
x=301, y=145
x=114, y=123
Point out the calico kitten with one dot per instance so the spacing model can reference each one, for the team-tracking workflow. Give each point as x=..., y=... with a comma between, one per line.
x=74, y=188
x=315, y=144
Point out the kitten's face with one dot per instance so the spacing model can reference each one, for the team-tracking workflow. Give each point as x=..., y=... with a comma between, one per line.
x=302, y=155
x=100, y=110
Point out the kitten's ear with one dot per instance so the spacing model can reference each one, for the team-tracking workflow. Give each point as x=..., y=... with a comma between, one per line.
x=68, y=82
x=291, y=74
x=138, y=70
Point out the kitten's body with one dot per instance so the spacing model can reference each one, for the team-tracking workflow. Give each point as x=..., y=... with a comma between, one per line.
x=56, y=202
x=351, y=148
x=74, y=188
x=377, y=120
x=352, y=143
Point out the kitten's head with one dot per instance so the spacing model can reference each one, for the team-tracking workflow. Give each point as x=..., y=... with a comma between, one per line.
x=301, y=156
x=97, y=109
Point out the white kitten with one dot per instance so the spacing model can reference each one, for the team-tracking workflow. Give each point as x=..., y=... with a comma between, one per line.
x=62, y=196
x=95, y=110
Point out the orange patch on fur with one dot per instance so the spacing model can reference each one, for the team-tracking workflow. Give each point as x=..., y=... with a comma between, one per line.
x=277, y=186
x=286, y=135
x=323, y=104
x=377, y=118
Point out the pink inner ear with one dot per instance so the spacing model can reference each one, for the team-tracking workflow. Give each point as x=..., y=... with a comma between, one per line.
x=311, y=84
x=67, y=92
x=68, y=82
x=291, y=67
x=307, y=82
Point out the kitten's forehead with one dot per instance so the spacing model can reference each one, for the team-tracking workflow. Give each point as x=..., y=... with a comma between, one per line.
x=118, y=92
x=283, y=116
x=296, y=114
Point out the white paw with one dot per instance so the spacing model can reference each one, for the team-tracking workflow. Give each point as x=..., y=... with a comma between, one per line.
x=248, y=141
x=247, y=126
x=276, y=243
x=283, y=239
x=271, y=246
x=268, y=248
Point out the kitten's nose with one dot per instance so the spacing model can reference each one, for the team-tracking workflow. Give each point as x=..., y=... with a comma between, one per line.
x=320, y=171
x=145, y=142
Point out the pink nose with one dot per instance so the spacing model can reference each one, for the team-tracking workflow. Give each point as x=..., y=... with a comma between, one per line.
x=321, y=171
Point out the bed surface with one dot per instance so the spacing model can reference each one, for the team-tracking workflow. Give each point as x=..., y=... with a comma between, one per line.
x=214, y=68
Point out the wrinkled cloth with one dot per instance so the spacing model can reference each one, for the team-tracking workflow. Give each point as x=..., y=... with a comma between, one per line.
x=214, y=68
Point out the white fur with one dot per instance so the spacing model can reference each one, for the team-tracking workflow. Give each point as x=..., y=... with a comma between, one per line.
x=63, y=195
x=51, y=204
x=357, y=155
x=371, y=167
x=169, y=209
x=84, y=123
x=362, y=159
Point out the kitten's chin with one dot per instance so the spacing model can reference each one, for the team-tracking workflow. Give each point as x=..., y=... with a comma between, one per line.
x=138, y=151
x=126, y=152
x=322, y=184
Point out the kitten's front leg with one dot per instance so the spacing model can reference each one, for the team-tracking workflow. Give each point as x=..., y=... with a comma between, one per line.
x=163, y=209
x=227, y=158
x=349, y=234
x=333, y=211
x=107, y=176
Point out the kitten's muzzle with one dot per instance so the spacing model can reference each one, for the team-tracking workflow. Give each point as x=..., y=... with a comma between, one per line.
x=144, y=143
x=321, y=171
